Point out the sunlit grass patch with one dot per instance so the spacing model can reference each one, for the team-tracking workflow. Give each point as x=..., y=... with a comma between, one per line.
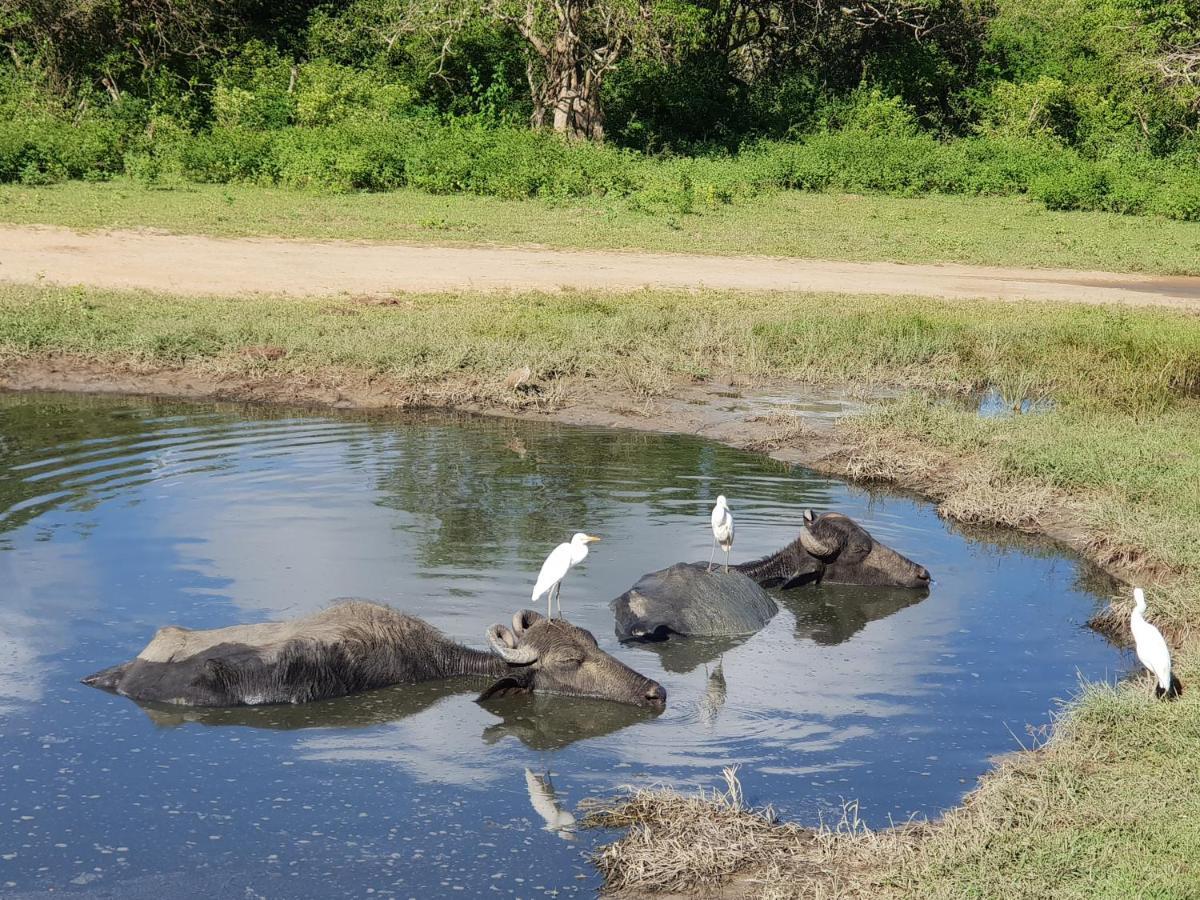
x=978, y=230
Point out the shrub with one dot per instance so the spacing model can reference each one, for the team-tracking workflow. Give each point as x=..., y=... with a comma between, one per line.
x=45, y=151
x=1085, y=187
x=1177, y=197
x=222, y=155
x=1033, y=109
x=252, y=90
x=327, y=93
x=879, y=150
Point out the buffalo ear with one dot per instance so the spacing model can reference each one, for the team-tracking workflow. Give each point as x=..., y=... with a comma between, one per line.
x=809, y=516
x=524, y=619
x=508, y=686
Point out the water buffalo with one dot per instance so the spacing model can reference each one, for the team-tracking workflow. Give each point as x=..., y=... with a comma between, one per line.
x=356, y=645
x=834, y=548
x=687, y=600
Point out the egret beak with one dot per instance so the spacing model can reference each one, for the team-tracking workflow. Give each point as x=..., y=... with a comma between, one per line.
x=590, y=539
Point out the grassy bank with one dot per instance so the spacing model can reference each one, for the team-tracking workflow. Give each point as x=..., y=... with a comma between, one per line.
x=1106, y=809
x=1109, y=807
x=974, y=230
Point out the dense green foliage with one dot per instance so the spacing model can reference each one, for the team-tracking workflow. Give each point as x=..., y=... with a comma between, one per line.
x=1084, y=104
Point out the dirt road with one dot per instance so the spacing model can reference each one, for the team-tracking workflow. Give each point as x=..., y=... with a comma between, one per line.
x=187, y=264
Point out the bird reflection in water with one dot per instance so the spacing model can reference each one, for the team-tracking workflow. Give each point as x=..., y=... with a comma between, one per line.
x=715, y=692
x=544, y=801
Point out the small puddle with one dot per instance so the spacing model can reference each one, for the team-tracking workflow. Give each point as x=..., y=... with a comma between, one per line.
x=809, y=405
x=993, y=404
x=118, y=516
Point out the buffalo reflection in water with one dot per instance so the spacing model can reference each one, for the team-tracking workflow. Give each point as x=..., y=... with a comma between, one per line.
x=834, y=613
x=540, y=722
x=683, y=656
x=378, y=707
x=551, y=723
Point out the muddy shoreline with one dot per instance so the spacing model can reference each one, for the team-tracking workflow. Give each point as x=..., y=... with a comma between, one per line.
x=795, y=423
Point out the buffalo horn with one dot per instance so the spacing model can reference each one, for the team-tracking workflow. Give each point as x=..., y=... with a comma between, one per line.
x=815, y=545
x=505, y=644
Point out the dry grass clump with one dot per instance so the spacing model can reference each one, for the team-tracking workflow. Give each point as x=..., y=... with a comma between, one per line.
x=969, y=489
x=712, y=844
x=785, y=429
x=1172, y=609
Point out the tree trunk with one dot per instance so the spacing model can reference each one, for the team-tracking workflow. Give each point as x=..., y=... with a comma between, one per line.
x=566, y=88
x=578, y=115
x=577, y=110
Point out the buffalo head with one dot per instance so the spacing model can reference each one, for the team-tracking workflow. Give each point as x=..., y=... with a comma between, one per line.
x=555, y=657
x=849, y=555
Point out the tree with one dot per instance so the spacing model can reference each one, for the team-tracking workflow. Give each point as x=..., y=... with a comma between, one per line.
x=570, y=45
x=574, y=44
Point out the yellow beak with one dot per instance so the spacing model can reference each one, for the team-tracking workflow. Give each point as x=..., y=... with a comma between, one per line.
x=591, y=539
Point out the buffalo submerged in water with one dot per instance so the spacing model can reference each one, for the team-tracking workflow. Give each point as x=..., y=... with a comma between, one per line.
x=356, y=645
x=686, y=599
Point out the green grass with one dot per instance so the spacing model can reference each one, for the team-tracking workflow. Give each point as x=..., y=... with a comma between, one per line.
x=973, y=230
x=1110, y=808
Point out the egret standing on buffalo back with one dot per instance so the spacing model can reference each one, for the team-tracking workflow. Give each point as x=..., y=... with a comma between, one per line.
x=561, y=560
x=722, y=529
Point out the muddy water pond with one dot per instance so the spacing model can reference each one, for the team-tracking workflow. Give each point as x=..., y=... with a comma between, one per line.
x=118, y=516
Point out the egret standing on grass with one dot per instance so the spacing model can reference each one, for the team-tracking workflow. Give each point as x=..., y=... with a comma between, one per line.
x=1152, y=649
x=722, y=527
x=561, y=560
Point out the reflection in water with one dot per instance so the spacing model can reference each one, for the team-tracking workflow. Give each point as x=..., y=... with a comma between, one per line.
x=683, y=655
x=119, y=516
x=833, y=613
x=544, y=801
x=550, y=722
x=390, y=704
x=714, y=696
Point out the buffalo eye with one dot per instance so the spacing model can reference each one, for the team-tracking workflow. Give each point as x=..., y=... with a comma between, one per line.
x=856, y=550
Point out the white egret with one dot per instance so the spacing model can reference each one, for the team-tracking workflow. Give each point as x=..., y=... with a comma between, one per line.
x=561, y=560
x=722, y=529
x=1152, y=649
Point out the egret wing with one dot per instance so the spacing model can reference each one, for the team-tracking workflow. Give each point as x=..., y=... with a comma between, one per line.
x=1153, y=652
x=554, y=569
x=722, y=526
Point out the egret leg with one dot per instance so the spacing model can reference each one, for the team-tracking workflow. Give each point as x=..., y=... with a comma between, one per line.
x=558, y=599
x=549, y=600
x=712, y=555
x=726, y=560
